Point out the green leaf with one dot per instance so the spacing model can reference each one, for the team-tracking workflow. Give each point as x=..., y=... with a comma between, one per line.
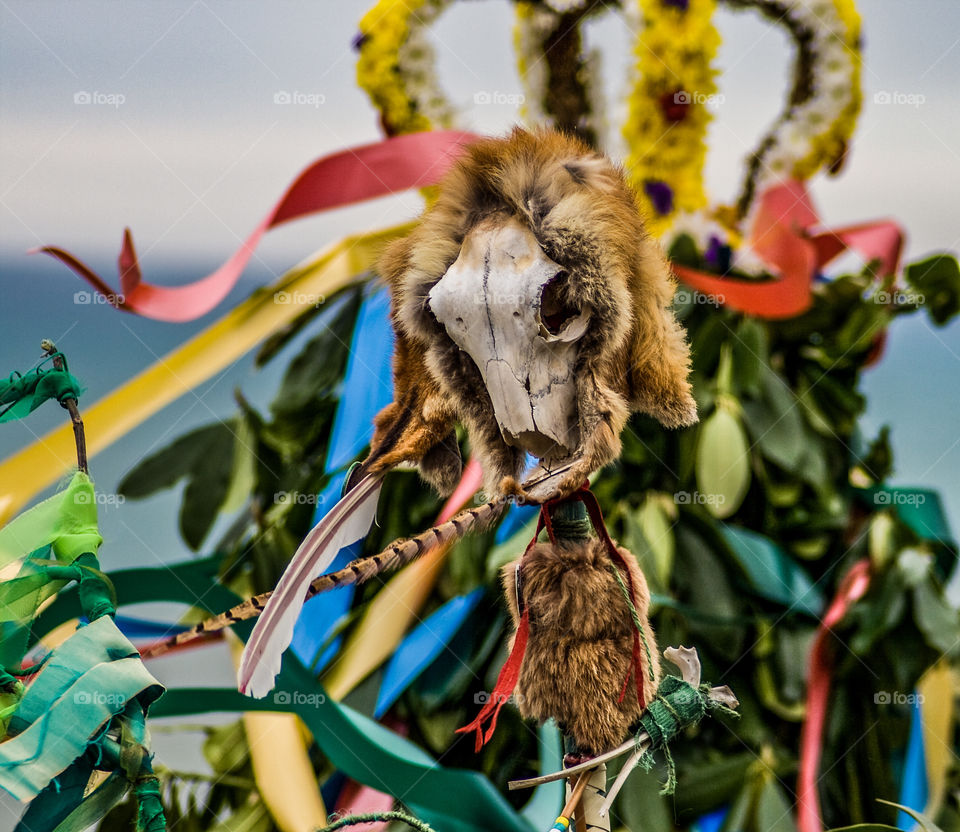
x=936, y=618
x=320, y=364
x=640, y=805
x=165, y=467
x=656, y=528
x=702, y=786
x=684, y=252
x=208, y=485
x=750, y=349
x=775, y=422
x=773, y=811
x=226, y=748
x=244, y=467
x=938, y=279
x=702, y=581
x=926, y=824
x=723, y=463
x=771, y=572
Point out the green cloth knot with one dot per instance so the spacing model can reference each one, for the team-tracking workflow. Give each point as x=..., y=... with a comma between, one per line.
x=21, y=395
x=677, y=706
x=149, y=808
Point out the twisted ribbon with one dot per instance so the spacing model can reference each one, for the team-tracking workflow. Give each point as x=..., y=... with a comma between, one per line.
x=353, y=175
x=784, y=235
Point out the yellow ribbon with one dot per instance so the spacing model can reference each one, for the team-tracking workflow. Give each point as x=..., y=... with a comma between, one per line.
x=34, y=468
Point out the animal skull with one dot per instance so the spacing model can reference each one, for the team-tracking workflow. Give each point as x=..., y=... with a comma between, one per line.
x=499, y=303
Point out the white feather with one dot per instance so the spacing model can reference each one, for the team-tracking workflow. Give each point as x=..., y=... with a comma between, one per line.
x=347, y=522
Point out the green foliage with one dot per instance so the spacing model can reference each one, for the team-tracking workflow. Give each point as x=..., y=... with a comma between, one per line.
x=744, y=525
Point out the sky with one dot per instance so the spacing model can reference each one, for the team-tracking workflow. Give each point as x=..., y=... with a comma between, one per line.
x=164, y=116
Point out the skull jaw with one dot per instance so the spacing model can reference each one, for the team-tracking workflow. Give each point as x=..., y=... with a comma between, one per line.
x=534, y=419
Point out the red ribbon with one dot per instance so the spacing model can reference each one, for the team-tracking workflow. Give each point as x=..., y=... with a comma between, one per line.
x=386, y=167
x=783, y=235
x=852, y=588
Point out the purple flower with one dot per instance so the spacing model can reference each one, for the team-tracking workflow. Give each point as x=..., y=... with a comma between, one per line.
x=718, y=255
x=660, y=194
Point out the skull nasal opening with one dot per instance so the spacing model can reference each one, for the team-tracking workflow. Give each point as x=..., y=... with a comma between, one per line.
x=555, y=312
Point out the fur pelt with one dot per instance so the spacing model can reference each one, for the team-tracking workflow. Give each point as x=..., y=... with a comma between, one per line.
x=580, y=643
x=585, y=217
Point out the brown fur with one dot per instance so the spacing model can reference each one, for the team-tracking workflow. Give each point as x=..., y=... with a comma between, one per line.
x=581, y=641
x=633, y=357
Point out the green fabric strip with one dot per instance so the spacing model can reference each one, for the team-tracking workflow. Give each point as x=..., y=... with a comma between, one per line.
x=21, y=395
x=90, y=679
x=67, y=522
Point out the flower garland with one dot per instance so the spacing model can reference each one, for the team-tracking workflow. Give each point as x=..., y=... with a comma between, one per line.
x=397, y=64
x=668, y=110
x=535, y=23
x=815, y=128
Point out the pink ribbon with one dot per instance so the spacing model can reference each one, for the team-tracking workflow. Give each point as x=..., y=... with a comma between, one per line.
x=386, y=167
x=784, y=235
x=852, y=589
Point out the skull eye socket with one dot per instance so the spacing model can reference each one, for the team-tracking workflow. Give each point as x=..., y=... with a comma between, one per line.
x=555, y=313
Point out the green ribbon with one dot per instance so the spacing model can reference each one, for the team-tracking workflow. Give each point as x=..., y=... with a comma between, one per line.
x=67, y=522
x=87, y=681
x=20, y=395
x=454, y=800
